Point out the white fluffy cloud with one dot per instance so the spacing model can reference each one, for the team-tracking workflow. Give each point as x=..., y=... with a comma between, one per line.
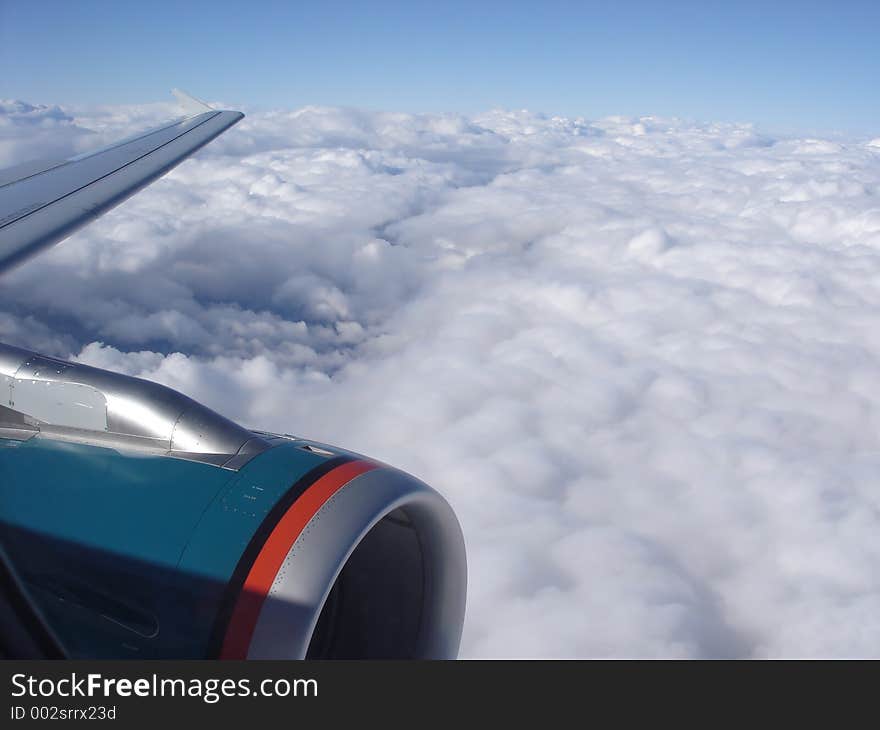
x=640, y=357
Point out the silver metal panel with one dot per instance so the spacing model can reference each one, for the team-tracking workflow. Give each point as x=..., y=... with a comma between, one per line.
x=87, y=404
x=15, y=426
x=248, y=451
x=16, y=434
x=61, y=404
x=11, y=359
x=41, y=209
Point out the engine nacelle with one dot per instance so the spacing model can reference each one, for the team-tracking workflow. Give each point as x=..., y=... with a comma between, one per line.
x=144, y=525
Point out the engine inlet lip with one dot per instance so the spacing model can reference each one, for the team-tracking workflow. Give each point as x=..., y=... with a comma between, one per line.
x=293, y=604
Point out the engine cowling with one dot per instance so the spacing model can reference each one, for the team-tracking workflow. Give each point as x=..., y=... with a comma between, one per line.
x=144, y=525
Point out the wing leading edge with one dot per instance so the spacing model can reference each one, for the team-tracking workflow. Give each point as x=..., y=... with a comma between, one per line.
x=45, y=204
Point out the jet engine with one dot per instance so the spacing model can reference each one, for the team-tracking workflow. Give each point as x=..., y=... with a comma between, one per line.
x=144, y=525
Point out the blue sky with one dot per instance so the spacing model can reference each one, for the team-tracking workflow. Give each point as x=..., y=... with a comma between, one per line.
x=798, y=66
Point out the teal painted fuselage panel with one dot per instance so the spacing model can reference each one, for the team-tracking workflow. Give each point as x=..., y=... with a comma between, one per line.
x=130, y=554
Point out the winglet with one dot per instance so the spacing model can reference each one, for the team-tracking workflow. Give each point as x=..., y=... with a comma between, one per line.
x=190, y=104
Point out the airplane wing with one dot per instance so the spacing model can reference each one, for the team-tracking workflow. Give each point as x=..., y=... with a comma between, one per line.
x=42, y=203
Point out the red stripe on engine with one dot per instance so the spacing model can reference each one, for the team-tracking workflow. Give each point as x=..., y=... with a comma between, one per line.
x=268, y=562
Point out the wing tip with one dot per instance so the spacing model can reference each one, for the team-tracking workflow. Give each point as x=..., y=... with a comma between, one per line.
x=189, y=103
x=192, y=105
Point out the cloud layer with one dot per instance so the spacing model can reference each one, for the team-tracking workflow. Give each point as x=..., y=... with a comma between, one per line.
x=641, y=357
